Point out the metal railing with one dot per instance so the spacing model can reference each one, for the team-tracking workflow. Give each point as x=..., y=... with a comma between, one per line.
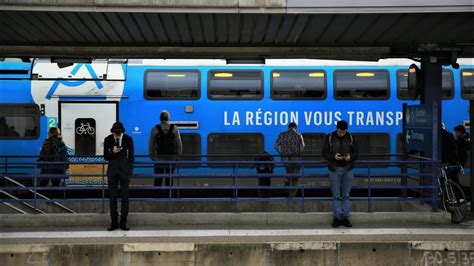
x=416, y=180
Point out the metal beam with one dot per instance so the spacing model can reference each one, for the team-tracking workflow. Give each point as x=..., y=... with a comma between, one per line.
x=243, y=6
x=347, y=53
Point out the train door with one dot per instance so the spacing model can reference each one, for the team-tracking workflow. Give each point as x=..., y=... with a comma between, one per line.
x=84, y=125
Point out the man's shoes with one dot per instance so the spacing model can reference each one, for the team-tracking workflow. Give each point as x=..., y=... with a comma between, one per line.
x=336, y=222
x=113, y=226
x=346, y=222
x=123, y=225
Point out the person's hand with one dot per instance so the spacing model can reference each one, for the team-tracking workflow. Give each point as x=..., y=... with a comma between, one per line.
x=338, y=157
x=348, y=157
x=117, y=149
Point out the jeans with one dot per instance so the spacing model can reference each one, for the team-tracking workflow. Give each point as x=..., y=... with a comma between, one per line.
x=341, y=182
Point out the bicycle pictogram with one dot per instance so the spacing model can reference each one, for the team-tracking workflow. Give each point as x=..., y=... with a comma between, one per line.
x=85, y=128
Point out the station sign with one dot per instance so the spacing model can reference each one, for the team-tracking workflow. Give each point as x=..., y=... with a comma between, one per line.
x=419, y=127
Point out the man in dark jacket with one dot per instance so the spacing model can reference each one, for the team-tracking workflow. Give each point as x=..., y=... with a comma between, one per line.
x=119, y=152
x=164, y=145
x=463, y=144
x=340, y=149
x=448, y=147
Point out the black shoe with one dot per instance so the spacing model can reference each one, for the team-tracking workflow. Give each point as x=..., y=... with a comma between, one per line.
x=346, y=223
x=123, y=225
x=336, y=223
x=113, y=226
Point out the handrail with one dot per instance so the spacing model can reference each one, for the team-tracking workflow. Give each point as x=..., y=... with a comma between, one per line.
x=236, y=171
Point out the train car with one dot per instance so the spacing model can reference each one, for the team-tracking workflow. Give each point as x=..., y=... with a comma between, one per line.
x=221, y=109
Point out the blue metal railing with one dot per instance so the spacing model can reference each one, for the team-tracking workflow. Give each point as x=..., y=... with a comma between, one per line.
x=417, y=178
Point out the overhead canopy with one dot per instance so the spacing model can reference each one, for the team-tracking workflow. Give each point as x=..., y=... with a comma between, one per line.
x=336, y=29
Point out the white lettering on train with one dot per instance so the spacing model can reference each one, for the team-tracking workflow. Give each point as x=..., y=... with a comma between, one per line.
x=313, y=118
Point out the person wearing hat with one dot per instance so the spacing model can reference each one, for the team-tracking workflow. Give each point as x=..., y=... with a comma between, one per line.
x=289, y=145
x=119, y=152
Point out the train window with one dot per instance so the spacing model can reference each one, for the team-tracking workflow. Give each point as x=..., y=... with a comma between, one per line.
x=172, y=84
x=313, y=146
x=19, y=121
x=373, y=145
x=235, y=84
x=447, y=87
x=233, y=146
x=361, y=84
x=298, y=84
x=191, y=146
x=467, y=84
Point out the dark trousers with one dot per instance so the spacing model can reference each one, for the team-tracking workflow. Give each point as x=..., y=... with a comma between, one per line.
x=54, y=182
x=114, y=181
x=163, y=169
x=264, y=182
x=292, y=181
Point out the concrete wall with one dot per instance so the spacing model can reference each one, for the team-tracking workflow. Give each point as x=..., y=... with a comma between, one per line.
x=276, y=253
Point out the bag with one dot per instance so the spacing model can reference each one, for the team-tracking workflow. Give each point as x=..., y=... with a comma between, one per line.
x=166, y=141
x=264, y=168
x=55, y=153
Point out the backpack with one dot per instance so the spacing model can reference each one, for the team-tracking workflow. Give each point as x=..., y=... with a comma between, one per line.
x=330, y=140
x=56, y=154
x=166, y=141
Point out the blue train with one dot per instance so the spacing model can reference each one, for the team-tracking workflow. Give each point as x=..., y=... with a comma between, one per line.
x=220, y=109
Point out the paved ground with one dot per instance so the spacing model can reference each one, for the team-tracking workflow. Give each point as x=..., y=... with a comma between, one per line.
x=230, y=235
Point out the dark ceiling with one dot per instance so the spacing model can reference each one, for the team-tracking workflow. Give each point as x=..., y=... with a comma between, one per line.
x=207, y=35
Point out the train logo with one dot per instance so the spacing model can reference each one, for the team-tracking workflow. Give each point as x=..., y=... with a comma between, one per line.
x=76, y=83
x=79, y=81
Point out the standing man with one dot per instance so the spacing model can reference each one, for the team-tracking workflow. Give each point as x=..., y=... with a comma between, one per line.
x=463, y=144
x=289, y=145
x=119, y=152
x=340, y=149
x=164, y=145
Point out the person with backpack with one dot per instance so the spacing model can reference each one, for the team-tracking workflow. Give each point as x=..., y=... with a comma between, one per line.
x=164, y=145
x=119, y=151
x=53, y=150
x=340, y=149
x=264, y=168
x=289, y=145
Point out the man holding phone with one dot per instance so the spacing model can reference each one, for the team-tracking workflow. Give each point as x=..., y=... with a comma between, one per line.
x=119, y=152
x=340, y=149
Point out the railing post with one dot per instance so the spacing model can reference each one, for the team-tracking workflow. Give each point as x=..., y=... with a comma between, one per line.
x=6, y=165
x=170, y=179
x=35, y=181
x=236, y=189
x=103, y=187
x=434, y=186
x=302, y=188
x=369, y=205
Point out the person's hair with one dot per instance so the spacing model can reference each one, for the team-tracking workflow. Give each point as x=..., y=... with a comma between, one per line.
x=461, y=129
x=292, y=125
x=164, y=116
x=53, y=132
x=342, y=125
